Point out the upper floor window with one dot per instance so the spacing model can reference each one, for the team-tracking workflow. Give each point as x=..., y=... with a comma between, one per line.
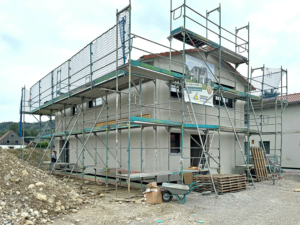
x=224, y=101
x=95, y=102
x=175, y=91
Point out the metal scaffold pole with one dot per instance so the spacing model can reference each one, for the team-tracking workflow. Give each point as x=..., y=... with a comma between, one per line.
x=129, y=98
x=182, y=88
x=117, y=102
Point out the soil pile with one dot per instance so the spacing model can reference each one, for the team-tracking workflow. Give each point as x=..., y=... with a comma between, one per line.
x=29, y=195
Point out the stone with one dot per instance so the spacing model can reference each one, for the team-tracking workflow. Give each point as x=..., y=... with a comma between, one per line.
x=24, y=173
x=206, y=193
x=36, y=213
x=58, y=204
x=40, y=196
x=74, y=210
x=44, y=211
x=40, y=184
x=29, y=222
x=18, y=193
x=51, y=200
x=102, y=195
x=86, y=182
x=57, y=209
x=15, y=180
x=79, y=200
x=62, y=207
x=2, y=203
x=24, y=214
x=31, y=186
x=0, y=208
x=7, y=177
x=138, y=219
x=43, y=221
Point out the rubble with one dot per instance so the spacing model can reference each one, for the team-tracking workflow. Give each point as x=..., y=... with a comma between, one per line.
x=31, y=196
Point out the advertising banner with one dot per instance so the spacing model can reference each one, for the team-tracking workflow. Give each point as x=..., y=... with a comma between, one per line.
x=199, y=81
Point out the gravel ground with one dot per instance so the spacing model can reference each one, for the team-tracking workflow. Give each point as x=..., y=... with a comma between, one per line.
x=266, y=204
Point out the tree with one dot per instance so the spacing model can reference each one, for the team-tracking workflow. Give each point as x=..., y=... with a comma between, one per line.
x=14, y=127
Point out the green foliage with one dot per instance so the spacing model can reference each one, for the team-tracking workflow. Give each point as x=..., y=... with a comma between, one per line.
x=43, y=144
x=31, y=129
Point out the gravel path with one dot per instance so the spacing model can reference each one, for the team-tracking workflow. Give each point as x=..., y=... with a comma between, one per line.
x=266, y=204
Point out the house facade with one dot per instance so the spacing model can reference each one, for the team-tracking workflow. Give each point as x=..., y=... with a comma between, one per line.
x=10, y=140
x=155, y=148
x=290, y=127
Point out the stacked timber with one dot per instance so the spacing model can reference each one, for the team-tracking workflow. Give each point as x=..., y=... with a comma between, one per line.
x=223, y=182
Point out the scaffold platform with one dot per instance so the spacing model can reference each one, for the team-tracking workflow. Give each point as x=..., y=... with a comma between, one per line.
x=200, y=41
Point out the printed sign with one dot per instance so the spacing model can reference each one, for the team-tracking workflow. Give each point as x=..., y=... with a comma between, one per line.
x=199, y=81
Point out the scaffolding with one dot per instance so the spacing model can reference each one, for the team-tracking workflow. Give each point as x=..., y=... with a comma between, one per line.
x=104, y=72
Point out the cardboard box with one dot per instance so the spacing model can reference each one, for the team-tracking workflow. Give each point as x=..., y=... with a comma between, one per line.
x=152, y=184
x=153, y=195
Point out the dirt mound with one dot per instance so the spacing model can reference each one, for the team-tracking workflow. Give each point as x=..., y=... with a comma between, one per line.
x=30, y=196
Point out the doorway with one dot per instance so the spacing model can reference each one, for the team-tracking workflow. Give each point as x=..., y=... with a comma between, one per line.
x=196, y=150
x=65, y=155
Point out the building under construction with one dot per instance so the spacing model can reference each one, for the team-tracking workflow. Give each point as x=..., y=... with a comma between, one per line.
x=127, y=113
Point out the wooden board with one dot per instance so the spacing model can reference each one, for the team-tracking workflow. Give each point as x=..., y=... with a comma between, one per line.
x=188, y=178
x=259, y=163
x=111, y=122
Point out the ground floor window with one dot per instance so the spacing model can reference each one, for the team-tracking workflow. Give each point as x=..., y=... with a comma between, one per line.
x=175, y=143
x=267, y=146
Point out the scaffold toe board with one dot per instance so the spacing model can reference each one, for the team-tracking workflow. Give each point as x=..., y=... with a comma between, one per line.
x=234, y=94
x=200, y=41
x=150, y=71
x=95, y=130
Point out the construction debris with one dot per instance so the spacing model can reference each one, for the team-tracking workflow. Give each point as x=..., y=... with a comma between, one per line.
x=30, y=196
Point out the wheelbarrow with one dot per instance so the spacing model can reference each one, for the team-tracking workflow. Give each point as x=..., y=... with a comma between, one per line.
x=169, y=190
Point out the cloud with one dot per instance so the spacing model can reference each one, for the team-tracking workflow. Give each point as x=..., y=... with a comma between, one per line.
x=37, y=36
x=13, y=44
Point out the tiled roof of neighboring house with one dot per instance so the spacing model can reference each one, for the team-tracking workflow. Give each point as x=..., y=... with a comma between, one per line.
x=291, y=97
x=167, y=54
x=7, y=133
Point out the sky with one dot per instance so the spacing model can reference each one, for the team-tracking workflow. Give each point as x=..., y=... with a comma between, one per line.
x=37, y=36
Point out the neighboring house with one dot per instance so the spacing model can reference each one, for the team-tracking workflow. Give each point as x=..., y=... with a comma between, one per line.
x=229, y=156
x=11, y=140
x=290, y=130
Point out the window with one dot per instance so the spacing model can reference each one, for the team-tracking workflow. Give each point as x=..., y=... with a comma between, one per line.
x=267, y=146
x=228, y=101
x=175, y=91
x=7, y=141
x=16, y=142
x=12, y=135
x=74, y=110
x=95, y=102
x=175, y=143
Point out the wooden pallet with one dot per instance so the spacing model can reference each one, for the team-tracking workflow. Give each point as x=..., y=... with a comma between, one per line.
x=259, y=163
x=223, y=182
